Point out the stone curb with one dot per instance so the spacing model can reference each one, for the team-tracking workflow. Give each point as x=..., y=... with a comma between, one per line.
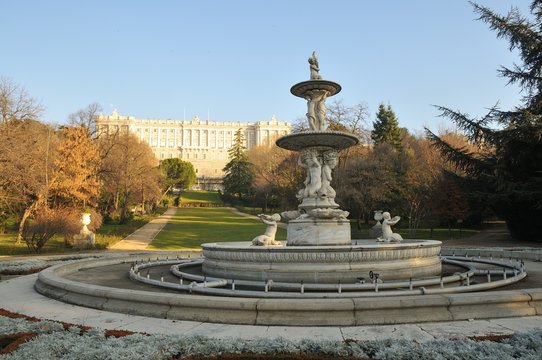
x=296, y=312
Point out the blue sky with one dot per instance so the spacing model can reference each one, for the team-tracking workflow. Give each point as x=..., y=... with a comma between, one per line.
x=236, y=60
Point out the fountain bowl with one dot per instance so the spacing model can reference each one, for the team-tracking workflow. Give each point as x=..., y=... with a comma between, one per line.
x=317, y=139
x=301, y=89
x=323, y=264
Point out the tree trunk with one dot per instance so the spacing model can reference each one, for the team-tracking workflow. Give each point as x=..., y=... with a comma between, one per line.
x=116, y=205
x=27, y=212
x=164, y=194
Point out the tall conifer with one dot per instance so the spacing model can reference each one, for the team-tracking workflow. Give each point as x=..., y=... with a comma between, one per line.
x=508, y=167
x=239, y=173
x=386, y=127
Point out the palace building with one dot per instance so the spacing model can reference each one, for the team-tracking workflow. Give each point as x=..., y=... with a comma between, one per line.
x=204, y=143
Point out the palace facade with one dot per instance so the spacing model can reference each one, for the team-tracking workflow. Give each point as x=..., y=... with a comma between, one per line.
x=204, y=143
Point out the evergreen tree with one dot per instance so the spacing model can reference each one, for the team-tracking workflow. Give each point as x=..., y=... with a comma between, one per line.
x=509, y=165
x=239, y=173
x=386, y=127
x=178, y=173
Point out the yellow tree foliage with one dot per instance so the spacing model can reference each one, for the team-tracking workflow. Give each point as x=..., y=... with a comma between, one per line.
x=75, y=175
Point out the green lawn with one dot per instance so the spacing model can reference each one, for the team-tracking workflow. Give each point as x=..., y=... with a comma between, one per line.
x=200, y=197
x=8, y=246
x=54, y=246
x=106, y=235
x=191, y=227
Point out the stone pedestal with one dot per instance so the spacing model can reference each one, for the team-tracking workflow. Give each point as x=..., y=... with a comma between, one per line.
x=318, y=202
x=84, y=240
x=308, y=232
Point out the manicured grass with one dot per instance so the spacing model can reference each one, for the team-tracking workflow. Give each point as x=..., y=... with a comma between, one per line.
x=191, y=227
x=200, y=197
x=8, y=246
x=54, y=246
x=107, y=235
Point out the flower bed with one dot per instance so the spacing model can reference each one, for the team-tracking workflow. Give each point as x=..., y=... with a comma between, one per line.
x=23, y=337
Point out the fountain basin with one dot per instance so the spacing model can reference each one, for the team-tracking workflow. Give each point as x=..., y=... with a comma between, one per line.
x=317, y=139
x=323, y=264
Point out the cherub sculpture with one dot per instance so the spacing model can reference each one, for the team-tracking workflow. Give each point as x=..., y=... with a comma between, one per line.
x=387, y=234
x=309, y=160
x=330, y=161
x=268, y=238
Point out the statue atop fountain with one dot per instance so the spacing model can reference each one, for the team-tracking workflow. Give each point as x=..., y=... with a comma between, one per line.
x=315, y=68
x=320, y=221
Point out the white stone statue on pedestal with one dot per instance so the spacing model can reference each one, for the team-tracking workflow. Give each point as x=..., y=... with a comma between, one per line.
x=86, y=238
x=268, y=238
x=387, y=234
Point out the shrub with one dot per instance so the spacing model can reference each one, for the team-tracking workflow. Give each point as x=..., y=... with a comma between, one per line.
x=48, y=223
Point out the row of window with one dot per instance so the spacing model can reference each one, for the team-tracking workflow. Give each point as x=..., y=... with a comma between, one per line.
x=195, y=156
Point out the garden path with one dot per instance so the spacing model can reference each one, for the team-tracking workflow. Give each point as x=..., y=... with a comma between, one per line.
x=142, y=237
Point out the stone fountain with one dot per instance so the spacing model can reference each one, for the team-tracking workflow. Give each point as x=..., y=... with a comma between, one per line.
x=319, y=248
x=319, y=276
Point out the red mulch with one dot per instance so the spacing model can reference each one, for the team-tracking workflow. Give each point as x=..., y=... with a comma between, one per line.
x=13, y=315
x=118, y=333
x=494, y=338
x=11, y=342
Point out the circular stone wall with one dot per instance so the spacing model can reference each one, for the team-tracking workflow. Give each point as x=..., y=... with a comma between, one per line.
x=323, y=264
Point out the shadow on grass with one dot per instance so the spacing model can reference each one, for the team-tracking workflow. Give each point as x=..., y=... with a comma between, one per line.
x=200, y=197
x=191, y=227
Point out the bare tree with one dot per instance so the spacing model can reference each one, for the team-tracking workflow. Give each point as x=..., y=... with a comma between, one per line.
x=278, y=176
x=27, y=152
x=350, y=119
x=16, y=104
x=129, y=173
x=86, y=117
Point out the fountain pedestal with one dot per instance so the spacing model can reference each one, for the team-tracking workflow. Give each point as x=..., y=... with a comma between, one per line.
x=318, y=232
x=320, y=221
